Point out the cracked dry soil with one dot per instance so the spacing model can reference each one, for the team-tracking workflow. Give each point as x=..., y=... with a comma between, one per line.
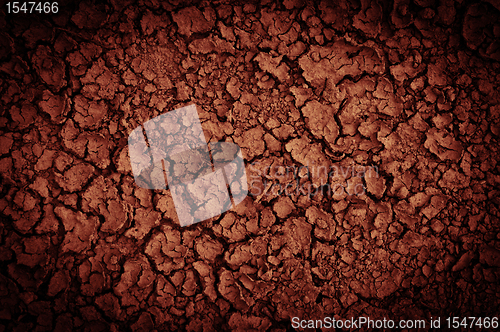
x=410, y=87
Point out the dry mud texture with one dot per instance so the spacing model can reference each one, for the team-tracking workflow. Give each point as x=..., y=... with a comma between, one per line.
x=410, y=87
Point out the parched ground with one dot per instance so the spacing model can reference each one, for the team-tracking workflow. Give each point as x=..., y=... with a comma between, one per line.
x=410, y=89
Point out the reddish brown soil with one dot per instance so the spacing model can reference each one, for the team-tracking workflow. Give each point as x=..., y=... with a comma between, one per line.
x=410, y=88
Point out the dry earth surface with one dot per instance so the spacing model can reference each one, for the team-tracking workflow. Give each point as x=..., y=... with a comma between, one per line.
x=409, y=87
